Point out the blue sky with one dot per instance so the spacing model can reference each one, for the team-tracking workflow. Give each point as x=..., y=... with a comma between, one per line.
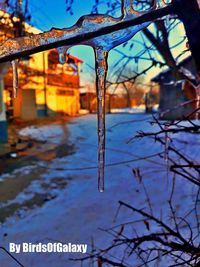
x=47, y=14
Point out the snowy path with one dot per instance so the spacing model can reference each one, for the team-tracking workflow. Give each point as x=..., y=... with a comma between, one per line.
x=79, y=209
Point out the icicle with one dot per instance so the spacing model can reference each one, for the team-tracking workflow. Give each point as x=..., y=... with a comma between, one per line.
x=62, y=52
x=15, y=77
x=101, y=46
x=167, y=141
x=101, y=71
x=137, y=174
x=197, y=101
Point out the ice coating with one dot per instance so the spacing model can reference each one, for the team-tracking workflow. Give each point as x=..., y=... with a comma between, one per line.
x=101, y=68
x=111, y=40
x=62, y=52
x=102, y=44
x=15, y=47
x=14, y=64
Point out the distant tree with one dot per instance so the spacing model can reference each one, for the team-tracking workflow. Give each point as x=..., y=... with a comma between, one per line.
x=15, y=16
x=153, y=43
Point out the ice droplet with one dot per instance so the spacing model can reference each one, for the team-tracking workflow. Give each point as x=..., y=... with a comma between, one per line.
x=62, y=52
x=15, y=77
x=101, y=68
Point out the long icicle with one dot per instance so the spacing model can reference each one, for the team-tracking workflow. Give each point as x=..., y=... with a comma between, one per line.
x=101, y=73
x=15, y=77
x=167, y=141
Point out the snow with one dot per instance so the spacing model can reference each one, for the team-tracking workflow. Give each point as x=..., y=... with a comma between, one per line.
x=79, y=210
x=139, y=109
x=53, y=134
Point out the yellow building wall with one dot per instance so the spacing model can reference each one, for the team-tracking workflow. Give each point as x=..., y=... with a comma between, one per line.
x=67, y=103
x=36, y=79
x=62, y=103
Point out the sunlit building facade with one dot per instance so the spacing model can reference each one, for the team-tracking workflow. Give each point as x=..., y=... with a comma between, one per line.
x=46, y=87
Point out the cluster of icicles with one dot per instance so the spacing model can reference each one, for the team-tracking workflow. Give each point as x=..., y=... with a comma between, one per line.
x=101, y=45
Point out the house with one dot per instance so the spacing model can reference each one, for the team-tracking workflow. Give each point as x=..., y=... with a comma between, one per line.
x=46, y=87
x=88, y=101
x=178, y=98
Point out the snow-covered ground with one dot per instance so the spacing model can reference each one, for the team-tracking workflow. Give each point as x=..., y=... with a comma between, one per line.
x=79, y=210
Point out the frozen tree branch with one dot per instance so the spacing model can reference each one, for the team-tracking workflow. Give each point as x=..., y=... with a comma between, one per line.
x=24, y=46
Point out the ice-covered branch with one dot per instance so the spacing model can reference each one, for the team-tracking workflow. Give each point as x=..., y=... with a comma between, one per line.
x=24, y=46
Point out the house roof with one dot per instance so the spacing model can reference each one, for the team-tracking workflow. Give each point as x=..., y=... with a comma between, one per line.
x=167, y=72
x=75, y=59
